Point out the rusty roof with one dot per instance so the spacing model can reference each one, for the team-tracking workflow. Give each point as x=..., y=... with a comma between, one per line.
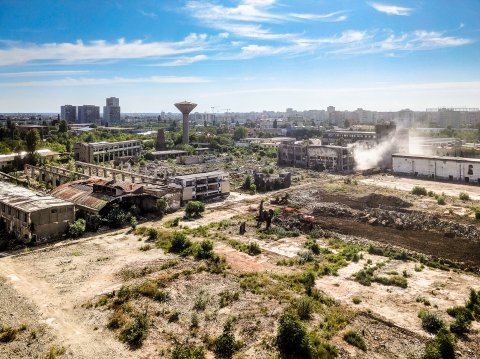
x=81, y=193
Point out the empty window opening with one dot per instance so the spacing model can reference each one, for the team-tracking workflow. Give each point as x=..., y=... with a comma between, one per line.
x=470, y=169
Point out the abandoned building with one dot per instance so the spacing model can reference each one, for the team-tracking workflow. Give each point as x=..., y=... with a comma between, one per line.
x=31, y=216
x=167, y=154
x=9, y=160
x=97, y=152
x=436, y=167
x=200, y=186
x=317, y=157
x=270, y=182
x=97, y=195
x=344, y=137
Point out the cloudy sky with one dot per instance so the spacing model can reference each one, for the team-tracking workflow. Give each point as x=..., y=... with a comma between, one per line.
x=242, y=55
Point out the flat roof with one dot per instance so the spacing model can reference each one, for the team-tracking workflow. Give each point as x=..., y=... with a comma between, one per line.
x=351, y=132
x=169, y=152
x=111, y=143
x=27, y=200
x=438, y=158
x=202, y=174
x=43, y=153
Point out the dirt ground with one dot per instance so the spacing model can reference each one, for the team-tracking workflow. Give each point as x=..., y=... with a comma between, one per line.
x=55, y=288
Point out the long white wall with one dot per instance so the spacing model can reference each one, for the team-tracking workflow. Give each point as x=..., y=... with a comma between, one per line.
x=448, y=169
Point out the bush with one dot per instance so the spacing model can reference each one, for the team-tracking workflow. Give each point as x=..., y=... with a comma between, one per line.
x=247, y=183
x=135, y=332
x=77, y=228
x=355, y=339
x=309, y=282
x=133, y=222
x=430, y=322
x=292, y=338
x=117, y=217
x=253, y=188
x=179, y=243
x=356, y=300
x=477, y=214
x=187, y=352
x=7, y=334
x=441, y=200
x=304, y=307
x=442, y=347
x=419, y=191
x=464, y=196
x=194, y=209
x=205, y=250
x=93, y=222
x=161, y=206
x=253, y=249
x=225, y=345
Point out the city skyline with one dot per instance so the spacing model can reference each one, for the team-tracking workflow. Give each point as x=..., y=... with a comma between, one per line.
x=244, y=55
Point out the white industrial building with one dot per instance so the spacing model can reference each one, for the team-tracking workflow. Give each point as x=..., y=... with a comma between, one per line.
x=445, y=168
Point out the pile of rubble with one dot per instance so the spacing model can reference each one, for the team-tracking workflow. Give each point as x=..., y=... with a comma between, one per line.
x=418, y=221
x=332, y=209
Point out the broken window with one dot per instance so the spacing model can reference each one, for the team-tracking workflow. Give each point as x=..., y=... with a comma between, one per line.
x=470, y=169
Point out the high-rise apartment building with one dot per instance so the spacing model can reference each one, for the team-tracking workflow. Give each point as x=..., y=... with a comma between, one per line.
x=68, y=113
x=111, y=112
x=88, y=114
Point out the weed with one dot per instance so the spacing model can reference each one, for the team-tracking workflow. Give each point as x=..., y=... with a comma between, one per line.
x=355, y=339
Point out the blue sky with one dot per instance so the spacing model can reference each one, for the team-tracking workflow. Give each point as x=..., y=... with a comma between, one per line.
x=243, y=55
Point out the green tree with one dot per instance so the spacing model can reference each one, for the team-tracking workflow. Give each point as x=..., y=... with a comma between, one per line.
x=32, y=140
x=194, y=209
x=62, y=127
x=239, y=133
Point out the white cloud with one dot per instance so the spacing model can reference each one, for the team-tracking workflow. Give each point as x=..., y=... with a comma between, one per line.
x=148, y=14
x=331, y=17
x=43, y=73
x=419, y=40
x=391, y=9
x=182, y=61
x=108, y=81
x=100, y=50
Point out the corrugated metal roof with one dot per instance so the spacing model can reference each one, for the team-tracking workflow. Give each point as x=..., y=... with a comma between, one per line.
x=27, y=200
x=81, y=193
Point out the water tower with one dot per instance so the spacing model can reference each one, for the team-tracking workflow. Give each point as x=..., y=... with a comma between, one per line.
x=185, y=108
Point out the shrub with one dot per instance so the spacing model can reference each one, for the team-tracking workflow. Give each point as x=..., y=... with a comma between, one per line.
x=205, y=250
x=93, y=222
x=179, y=243
x=77, y=228
x=194, y=321
x=116, y=320
x=253, y=188
x=133, y=222
x=419, y=191
x=194, y=209
x=355, y=339
x=477, y=214
x=136, y=331
x=117, y=217
x=461, y=324
x=246, y=183
x=292, y=336
x=201, y=302
x=253, y=249
x=7, y=334
x=356, y=300
x=225, y=345
x=304, y=307
x=309, y=282
x=187, y=352
x=161, y=206
x=54, y=352
x=227, y=297
x=441, y=200
x=442, y=347
x=430, y=322
x=464, y=196
x=313, y=246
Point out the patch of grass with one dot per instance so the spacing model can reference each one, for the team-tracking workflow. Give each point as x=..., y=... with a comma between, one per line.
x=423, y=300
x=136, y=330
x=419, y=267
x=227, y=297
x=201, y=301
x=304, y=307
x=355, y=339
x=188, y=352
x=7, y=334
x=441, y=200
x=145, y=247
x=55, y=351
x=432, y=323
x=419, y=191
x=397, y=281
x=356, y=300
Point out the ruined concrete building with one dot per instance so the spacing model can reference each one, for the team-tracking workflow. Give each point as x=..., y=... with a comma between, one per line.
x=106, y=151
x=160, y=143
x=32, y=216
x=97, y=195
x=271, y=182
x=318, y=157
x=436, y=167
x=343, y=137
x=201, y=186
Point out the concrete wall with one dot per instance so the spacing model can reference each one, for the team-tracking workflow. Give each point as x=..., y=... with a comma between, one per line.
x=447, y=169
